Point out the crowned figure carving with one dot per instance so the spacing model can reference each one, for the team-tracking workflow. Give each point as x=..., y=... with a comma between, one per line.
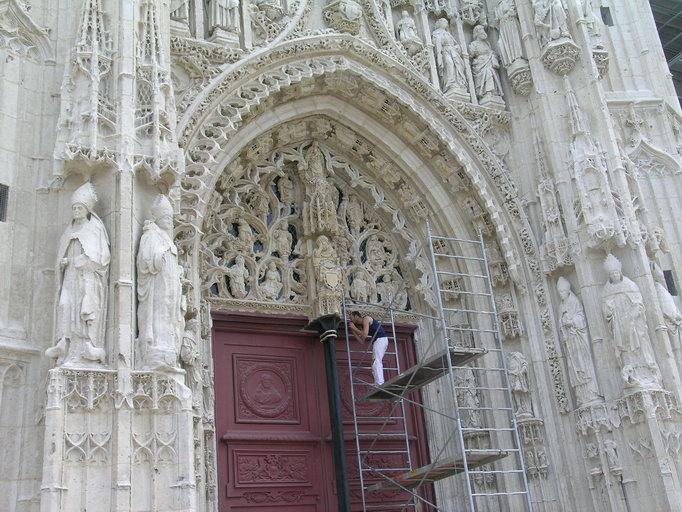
x=624, y=311
x=575, y=335
x=328, y=274
x=81, y=300
x=160, y=317
x=319, y=210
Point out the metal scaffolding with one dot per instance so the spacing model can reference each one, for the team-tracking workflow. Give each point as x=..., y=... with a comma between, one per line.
x=466, y=398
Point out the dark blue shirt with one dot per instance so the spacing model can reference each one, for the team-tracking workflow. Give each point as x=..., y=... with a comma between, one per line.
x=376, y=330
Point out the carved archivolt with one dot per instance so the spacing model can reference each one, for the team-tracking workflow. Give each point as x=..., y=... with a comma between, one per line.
x=439, y=131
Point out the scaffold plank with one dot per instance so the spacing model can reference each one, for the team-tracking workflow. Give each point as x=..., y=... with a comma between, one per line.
x=439, y=470
x=423, y=373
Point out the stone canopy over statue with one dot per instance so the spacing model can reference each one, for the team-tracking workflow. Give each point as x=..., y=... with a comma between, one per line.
x=160, y=316
x=81, y=275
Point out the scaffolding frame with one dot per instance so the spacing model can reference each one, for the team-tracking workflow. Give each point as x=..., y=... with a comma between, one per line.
x=489, y=457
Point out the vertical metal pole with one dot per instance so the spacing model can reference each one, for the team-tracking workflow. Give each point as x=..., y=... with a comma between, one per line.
x=503, y=363
x=351, y=378
x=325, y=327
x=446, y=339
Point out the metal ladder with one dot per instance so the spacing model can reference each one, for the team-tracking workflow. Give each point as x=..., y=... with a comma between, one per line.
x=465, y=357
x=366, y=438
x=504, y=484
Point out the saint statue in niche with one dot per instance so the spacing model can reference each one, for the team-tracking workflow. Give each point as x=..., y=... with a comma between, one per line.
x=574, y=332
x=517, y=366
x=406, y=30
x=160, y=316
x=319, y=210
x=550, y=20
x=624, y=311
x=81, y=275
x=484, y=66
x=238, y=274
x=509, y=41
x=449, y=61
x=272, y=285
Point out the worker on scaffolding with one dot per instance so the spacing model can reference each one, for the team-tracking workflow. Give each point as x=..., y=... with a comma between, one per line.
x=365, y=328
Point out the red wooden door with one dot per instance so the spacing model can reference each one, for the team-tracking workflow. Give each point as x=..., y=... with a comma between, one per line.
x=272, y=419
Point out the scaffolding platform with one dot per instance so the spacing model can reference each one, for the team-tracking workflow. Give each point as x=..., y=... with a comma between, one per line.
x=439, y=470
x=423, y=373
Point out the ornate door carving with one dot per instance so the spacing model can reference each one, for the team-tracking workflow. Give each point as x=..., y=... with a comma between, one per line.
x=271, y=416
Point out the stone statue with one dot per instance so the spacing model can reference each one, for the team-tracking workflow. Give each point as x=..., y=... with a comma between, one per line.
x=376, y=253
x=671, y=313
x=328, y=274
x=611, y=452
x=238, y=274
x=484, y=66
x=574, y=332
x=355, y=214
x=282, y=240
x=191, y=359
x=468, y=398
x=451, y=67
x=624, y=311
x=319, y=211
x=272, y=285
x=359, y=288
x=286, y=190
x=245, y=234
x=517, y=367
x=550, y=20
x=407, y=33
x=179, y=10
x=509, y=41
x=224, y=14
x=81, y=277
x=160, y=319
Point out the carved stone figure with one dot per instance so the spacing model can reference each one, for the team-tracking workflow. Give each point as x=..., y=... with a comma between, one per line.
x=224, y=14
x=468, y=398
x=238, y=274
x=282, y=240
x=329, y=274
x=550, y=20
x=473, y=12
x=245, y=234
x=406, y=29
x=179, y=10
x=671, y=313
x=624, y=311
x=286, y=190
x=376, y=252
x=611, y=451
x=160, y=318
x=509, y=41
x=484, y=66
x=517, y=367
x=272, y=285
x=359, y=288
x=574, y=332
x=451, y=67
x=191, y=359
x=319, y=211
x=355, y=214
x=81, y=276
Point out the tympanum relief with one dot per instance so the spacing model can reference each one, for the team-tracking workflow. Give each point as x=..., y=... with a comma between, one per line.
x=277, y=222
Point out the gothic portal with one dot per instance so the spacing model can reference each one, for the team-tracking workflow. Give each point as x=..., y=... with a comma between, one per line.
x=184, y=183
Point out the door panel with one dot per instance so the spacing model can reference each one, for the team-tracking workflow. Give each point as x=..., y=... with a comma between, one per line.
x=271, y=416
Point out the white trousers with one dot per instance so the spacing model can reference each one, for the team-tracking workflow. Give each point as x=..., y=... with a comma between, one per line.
x=379, y=349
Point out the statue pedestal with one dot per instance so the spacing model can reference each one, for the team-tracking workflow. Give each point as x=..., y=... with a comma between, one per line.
x=457, y=94
x=520, y=77
x=560, y=56
x=221, y=36
x=495, y=102
x=180, y=28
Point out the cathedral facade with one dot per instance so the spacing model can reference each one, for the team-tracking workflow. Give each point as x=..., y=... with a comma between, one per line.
x=185, y=183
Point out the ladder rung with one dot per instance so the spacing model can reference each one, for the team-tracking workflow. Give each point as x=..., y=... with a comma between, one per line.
x=380, y=417
x=477, y=429
x=465, y=293
x=385, y=469
x=370, y=352
x=435, y=237
x=481, y=311
x=447, y=273
x=458, y=257
x=485, y=408
x=388, y=506
x=479, y=472
x=369, y=368
x=379, y=450
x=492, y=450
x=498, y=493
